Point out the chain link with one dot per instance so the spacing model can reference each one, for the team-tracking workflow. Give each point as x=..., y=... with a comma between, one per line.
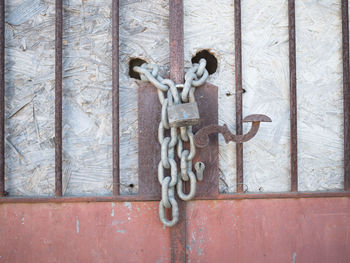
x=168, y=94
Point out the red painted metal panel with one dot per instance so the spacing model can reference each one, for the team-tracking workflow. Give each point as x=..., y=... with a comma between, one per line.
x=83, y=232
x=290, y=230
x=263, y=230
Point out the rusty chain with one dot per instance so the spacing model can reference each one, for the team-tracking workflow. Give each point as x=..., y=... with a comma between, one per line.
x=168, y=94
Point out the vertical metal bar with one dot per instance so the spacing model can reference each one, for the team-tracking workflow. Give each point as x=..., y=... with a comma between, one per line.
x=115, y=96
x=239, y=91
x=293, y=98
x=58, y=98
x=176, y=21
x=2, y=97
x=346, y=88
x=176, y=41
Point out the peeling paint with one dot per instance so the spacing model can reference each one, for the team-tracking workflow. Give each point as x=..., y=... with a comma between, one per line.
x=116, y=223
x=294, y=256
x=113, y=205
x=22, y=221
x=128, y=205
x=120, y=231
x=77, y=224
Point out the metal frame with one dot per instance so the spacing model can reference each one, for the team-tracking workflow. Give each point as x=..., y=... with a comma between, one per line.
x=115, y=96
x=2, y=98
x=239, y=92
x=177, y=66
x=136, y=198
x=346, y=88
x=58, y=97
x=293, y=98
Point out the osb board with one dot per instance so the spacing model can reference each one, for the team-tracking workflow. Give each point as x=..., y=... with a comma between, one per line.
x=144, y=33
x=266, y=82
x=320, y=95
x=29, y=97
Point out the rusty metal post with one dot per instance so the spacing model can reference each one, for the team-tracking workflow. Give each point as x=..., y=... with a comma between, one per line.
x=176, y=41
x=115, y=95
x=176, y=26
x=58, y=98
x=239, y=92
x=293, y=98
x=2, y=97
x=346, y=88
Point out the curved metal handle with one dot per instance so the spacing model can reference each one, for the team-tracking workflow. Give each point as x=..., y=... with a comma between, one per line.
x=201, y=138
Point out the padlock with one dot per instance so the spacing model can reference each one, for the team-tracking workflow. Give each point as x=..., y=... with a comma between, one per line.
x=182, y=115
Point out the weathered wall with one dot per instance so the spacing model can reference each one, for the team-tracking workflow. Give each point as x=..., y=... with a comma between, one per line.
x=144, y=33
x=305, y=230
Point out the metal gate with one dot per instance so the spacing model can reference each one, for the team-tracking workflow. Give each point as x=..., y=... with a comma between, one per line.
x=180, y=242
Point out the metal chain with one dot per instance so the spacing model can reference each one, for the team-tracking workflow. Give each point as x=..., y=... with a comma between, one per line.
x=168, y=94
